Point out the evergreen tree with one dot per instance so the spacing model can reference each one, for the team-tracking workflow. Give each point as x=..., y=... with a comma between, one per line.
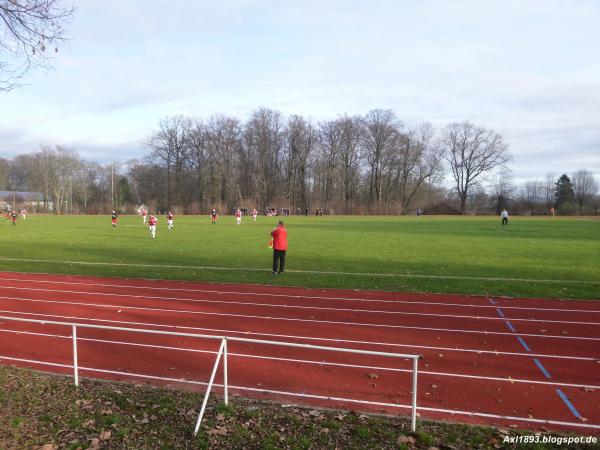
x=564, y=195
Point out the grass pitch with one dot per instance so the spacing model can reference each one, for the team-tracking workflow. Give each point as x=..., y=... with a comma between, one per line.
x=534, y=257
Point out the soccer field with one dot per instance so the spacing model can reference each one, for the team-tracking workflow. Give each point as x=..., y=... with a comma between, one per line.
x=535, y=257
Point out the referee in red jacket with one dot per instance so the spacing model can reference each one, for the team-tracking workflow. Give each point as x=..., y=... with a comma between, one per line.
x=279, y=235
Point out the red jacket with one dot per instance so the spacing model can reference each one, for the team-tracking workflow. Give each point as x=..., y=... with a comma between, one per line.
x=279, y=238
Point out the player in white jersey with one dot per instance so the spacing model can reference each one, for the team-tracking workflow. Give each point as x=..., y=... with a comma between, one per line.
x=504, y=216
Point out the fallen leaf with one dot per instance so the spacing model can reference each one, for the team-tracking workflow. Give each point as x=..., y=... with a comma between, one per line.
x=372, y=375
x=105, y=435
x=406, y=440
x=219, y=431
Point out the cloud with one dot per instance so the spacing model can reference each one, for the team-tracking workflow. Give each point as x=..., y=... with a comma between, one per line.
x=529, y=70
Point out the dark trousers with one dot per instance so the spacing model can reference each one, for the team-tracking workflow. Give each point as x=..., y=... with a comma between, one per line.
x=278, y=260
x=504, y=221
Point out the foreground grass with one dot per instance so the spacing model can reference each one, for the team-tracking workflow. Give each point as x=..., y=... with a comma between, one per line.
x=41, y=411
x=535, y=257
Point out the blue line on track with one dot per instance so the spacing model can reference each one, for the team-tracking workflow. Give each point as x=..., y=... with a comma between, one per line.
x=542, y=368
x=525, y=346
x=510, y=326
x=568, y=403
x=500, y=312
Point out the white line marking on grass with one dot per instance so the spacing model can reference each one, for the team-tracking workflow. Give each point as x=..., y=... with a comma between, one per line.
x=290, y=296
x=288, y=319
x=316, y=272
x=284, y=306
x=312, y=396
x=321, y=363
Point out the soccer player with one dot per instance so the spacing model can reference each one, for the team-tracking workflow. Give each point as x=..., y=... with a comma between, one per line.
x=152, y=225
x=144, y=214
x=238, y=216
x=214, y=216
x=114, y=219
x=24, y=213
x=170, y=220
x=254, y=214
x=279, y=236
x=504, y=216
x=13, y=217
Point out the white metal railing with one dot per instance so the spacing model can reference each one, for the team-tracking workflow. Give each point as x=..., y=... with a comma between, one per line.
x=223, y=353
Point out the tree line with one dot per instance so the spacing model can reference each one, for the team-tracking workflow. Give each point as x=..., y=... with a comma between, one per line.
x=362, y=164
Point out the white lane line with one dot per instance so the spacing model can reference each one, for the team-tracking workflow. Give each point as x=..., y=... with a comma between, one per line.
x=316, y=397
x=288, y=319
x=269, y=305
x=403, y=327
x=302, y=297
x=219, y=331
x=315, y=272
x=321, y=363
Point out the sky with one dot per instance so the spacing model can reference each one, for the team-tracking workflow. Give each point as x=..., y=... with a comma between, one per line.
x=529, y=70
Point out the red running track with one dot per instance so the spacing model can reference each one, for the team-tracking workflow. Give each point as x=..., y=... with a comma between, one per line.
x=533, y=363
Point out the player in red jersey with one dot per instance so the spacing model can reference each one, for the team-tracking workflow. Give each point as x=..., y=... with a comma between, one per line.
x=170, y=220
x=144, y=213
x=152, y=221
x=238, y=216
x=13, y=217
x=114, y=219
x=214, y=216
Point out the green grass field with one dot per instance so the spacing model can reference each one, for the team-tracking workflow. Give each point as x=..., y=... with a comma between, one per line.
x=535, y=257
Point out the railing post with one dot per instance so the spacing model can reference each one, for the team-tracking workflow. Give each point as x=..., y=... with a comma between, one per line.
x=210, y=383
x=75, y=368
x=225, y=382
x=413, y=424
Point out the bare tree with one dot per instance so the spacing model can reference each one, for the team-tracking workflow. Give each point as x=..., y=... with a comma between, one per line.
x=503, y=188
x=5, y=169
x=533, y=195
x=301, y=139
x=382, y=128
x=224, y=141
x=264, y=141
x=471, y=152
x=418, y=159
x=30, y=31
x=352, y=136
x=170, y=145
x=329, y=134
x=198, y=156
x=585, y=187
x=548, y=189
